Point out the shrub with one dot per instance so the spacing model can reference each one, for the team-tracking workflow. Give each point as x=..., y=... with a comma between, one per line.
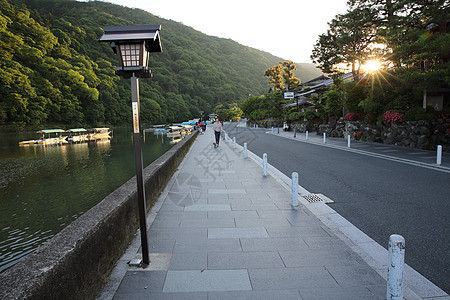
x=357, y=136
x=310, y=115
x=369, y=119
x=293, y=116
x=392, y=116
x=353, y=116
x=418, y=113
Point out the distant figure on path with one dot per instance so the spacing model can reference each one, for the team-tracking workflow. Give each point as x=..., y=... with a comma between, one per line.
x=200, y=126
x=217, y=128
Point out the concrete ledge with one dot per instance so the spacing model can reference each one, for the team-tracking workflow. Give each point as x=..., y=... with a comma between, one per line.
x=77, y=261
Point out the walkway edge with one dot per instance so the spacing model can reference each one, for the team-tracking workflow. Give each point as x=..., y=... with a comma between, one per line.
x=116, y=276
x=416, y=286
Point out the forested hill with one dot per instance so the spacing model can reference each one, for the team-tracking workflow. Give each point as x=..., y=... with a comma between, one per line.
x=54, y=70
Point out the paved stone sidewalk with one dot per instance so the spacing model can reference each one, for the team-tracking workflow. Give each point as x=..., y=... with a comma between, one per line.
x=221, y=230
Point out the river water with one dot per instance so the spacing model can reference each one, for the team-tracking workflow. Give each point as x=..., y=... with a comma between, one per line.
x=44, y=188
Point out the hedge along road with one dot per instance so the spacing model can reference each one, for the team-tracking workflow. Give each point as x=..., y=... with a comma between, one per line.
x=380, y=197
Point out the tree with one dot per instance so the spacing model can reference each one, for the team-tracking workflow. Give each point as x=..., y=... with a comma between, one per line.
x=334, y=101
x=282, y=75
x=234, y=112
x=288, y=74
x=346, y=42
x=275, y=77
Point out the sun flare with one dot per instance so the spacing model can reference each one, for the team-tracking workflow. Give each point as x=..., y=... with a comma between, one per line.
x=371, y=66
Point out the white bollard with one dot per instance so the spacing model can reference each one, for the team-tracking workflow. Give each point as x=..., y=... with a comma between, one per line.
x=265, y=164
x=245, y=150
x=348, y=141
x=324, y=137
x=395, y=267
x=439, y=155
x=226, y=137
x=295, y=133
x=306, y=135
x=234, y=142
x=272, y=129
x=294, y=189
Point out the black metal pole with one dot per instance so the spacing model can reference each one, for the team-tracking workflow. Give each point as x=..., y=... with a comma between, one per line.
x=139, y=168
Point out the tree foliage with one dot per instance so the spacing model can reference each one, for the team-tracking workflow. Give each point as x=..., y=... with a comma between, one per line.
x=263, y=107
x=282, y=75
x=53, y=70
x=411, y=39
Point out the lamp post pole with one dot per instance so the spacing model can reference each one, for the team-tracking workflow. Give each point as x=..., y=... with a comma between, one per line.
x=132, y=44
x=139, y=167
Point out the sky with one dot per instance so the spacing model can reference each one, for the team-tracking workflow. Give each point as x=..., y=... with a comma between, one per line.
x=287, y=29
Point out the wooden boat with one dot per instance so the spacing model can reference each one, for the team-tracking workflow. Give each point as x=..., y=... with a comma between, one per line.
x=58, y=139
x=174, y=131
x=157, y=129
x=175, y=139
x=188, y=128
x=28, y=143
x=77, y=135
x=99, y=134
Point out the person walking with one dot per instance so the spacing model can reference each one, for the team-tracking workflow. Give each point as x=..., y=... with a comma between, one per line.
x=217, y=128
x=203, y=126
x=200, y=126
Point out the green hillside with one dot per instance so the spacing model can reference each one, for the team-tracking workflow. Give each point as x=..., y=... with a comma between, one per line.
x=54, y=70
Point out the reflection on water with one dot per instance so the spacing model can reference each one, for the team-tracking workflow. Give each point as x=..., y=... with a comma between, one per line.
x=45, y=188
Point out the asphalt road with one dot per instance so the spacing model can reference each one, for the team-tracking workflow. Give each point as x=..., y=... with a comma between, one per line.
x=380, y=197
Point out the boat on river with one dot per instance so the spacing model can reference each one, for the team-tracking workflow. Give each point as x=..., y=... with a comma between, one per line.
x=58, y=138
x=174, y=131
x=187, y=128
x=156, y=129
x=77, y=135
x=98, y=133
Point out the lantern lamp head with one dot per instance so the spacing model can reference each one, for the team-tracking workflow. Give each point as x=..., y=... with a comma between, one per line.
x=133, y=45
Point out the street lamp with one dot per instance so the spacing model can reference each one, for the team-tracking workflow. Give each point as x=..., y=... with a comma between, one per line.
x=133, y=44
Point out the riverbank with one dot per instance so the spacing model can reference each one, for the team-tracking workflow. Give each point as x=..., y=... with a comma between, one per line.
x=81, y=256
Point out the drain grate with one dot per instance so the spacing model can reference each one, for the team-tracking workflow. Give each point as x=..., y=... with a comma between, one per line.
x=314, y=198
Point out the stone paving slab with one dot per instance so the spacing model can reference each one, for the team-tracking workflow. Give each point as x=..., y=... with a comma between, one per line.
x=221, y=230
x=207, y=280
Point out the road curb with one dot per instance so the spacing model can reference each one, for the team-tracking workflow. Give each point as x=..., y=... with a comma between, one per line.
x=368, y=153
x=416, y=286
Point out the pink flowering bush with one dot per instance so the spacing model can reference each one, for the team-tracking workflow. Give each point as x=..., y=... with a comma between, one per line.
x=352, y=117
x=357, y=136
x=393, y=116
x=446, y=120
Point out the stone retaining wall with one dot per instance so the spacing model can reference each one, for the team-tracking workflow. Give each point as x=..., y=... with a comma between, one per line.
x=77, y=261
x=426, y=135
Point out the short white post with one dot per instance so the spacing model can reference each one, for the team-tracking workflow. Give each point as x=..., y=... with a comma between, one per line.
x=234, y=142
x=439, y=155
x=245, y=150
x=295, y=133
x=272, y=129
x=306, y=135
x=348, y=141
x=395, y=267
x=265, y=164
x=294, y=189
x=278, y=130
x=324, y=137
x=226, y=137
